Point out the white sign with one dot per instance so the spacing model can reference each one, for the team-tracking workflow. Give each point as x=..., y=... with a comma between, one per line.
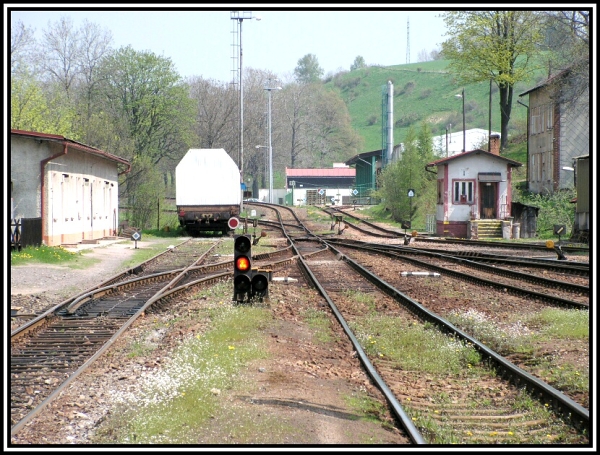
x=355, y=192
x=233, y=222
x=321, y=192
x=136, y=236
x=411, y=193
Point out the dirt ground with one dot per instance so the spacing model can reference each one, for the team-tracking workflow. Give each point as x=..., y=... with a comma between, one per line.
x=297, y=386
x=303, y=384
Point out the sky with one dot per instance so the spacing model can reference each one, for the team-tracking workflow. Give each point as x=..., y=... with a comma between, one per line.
x=200, y=42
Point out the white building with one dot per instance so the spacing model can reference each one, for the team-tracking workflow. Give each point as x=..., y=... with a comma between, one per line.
x=475, y=185
x=71, y=187
x=450, y=144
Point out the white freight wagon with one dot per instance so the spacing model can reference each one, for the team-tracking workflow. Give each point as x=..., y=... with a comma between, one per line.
x=208, y=192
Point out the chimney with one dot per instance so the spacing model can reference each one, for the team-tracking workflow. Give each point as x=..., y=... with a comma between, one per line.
x=495, y=144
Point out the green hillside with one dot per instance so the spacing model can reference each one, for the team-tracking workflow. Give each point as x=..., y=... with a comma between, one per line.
x=422, y=91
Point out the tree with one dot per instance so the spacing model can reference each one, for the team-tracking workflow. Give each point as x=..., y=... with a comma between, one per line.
x=59, y=54
x=34, y=109
x=497, y=45
x=21, y=45
x=147, y=190
x=359, y=62
x=408, y=172
x=94, y=45
x=216, y=112
x=316, y=128
x=567, y=39
x=145, y=92
x=331, y=137
x=423, y=56
x=308, y=69
x=149, y=107
x=65, y=65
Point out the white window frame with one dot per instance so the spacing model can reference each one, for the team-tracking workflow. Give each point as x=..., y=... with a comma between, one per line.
x=463, y=191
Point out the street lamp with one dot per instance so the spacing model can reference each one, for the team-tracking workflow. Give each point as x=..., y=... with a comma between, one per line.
x=462, y=95
x=269, y=89
x=266, y=159
x=240, y=16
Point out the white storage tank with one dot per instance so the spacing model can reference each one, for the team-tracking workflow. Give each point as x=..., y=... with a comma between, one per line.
x=208, y=191
x=207, y=177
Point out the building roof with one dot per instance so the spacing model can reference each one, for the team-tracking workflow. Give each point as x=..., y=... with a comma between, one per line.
x=70, y=142
x=329, y=172
x=550, y=80
x=471, y=153
x=364, y=155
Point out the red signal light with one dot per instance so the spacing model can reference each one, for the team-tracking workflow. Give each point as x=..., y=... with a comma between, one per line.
x=242, y=263
x=233, y=223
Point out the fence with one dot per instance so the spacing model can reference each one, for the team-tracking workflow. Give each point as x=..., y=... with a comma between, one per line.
x=430, y=224
x=25, y=232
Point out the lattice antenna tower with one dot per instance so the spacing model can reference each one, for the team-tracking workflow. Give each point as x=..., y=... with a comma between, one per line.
x=408, y=40
x=235, y=52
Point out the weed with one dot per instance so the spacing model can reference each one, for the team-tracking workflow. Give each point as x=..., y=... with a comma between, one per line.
x=319, y=322
x=186, y=390
x=43, y=254
x=413, y=347
x=362, y=298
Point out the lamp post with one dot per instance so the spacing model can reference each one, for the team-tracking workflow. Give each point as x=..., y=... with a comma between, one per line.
x=266, y=159
x=269, y=89
x=240, y=16
x=462, y=95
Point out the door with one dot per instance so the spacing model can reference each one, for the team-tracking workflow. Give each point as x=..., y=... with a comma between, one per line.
x=488, y=200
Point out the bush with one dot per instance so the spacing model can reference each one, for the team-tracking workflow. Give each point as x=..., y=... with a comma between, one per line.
x=554, y=208
x=425, y=94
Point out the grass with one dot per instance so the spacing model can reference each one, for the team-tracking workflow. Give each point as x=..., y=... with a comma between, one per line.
x=57, y=255
x=319, y=322
x=421, y=349
x=174, y=403
x=415, y=346
x=513, y=338
x=183, y=401
x=518, y=337
x=565, y=324
x=43, y=255
x=423, y=91
x=368, y=408
x=364, y=299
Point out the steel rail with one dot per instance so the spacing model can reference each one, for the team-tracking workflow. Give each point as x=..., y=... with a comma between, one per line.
x=406, y=422
x=483, y=281
x=34, y=412
x=492, y=269
x=561, y=403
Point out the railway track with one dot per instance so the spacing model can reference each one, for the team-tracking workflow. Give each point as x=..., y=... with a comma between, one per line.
x=525, y=284
x=50, y=351
x=369, y=228
x=317, y=258
x=321, y=271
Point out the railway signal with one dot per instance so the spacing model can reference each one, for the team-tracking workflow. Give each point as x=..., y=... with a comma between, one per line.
x=260, y=284
x=242, y=267
x=233, y=223
x=248, y=283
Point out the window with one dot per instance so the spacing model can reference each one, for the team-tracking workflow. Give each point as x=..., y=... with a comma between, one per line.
x=536, y=120
x=542, y=119
x=440, y=191
x=550, y=117
x=463, y=192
